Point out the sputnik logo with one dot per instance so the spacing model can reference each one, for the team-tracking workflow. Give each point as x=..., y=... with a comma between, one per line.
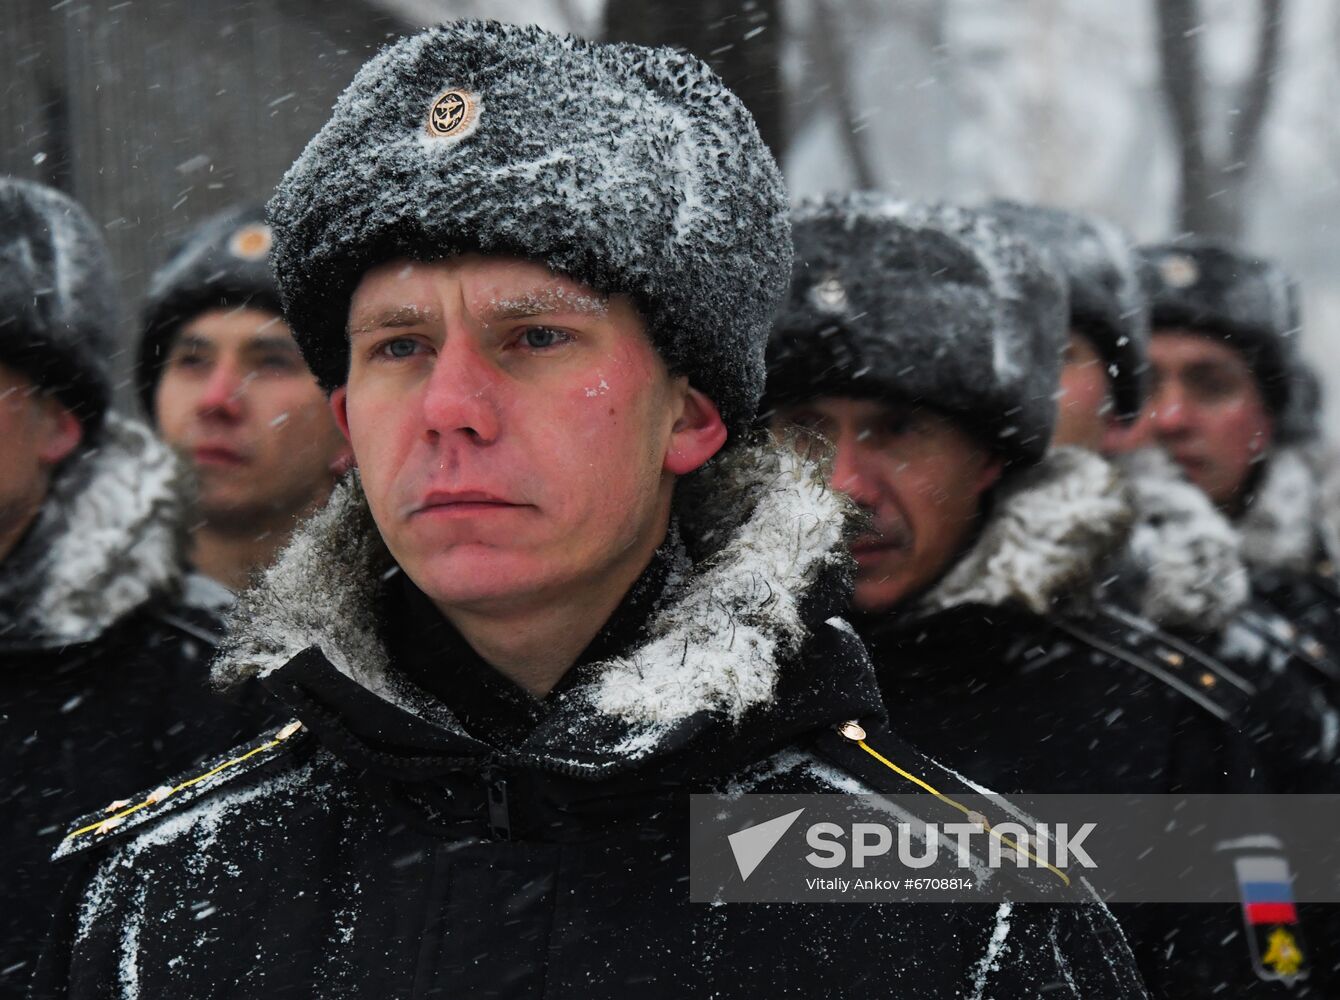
x=751, y=845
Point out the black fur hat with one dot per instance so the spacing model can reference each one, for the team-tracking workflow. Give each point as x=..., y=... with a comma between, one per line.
x=933, y=304
x=632, y=170
x=57, y=298
x=222, y=263
x=1300, y=423
x=1248, y=302
x=1107, y=302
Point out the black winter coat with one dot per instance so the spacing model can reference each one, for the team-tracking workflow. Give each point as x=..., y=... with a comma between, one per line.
x=392, y=849
x=985, y=676
x=104, y=681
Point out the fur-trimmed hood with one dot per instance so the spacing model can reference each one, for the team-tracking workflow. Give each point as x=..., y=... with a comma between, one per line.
x=1288, y=519
x=111, y=535
x=1182, y=567
x=1049, y=528
x=761, y=531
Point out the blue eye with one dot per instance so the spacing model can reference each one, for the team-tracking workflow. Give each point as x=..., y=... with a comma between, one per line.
x=402, y=348
x=540, y=337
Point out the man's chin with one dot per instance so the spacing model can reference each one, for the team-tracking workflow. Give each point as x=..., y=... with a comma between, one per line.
x=876, y=592
x=478, y=578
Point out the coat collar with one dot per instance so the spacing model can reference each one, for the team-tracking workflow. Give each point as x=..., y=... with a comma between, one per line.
x=110, y=536
x=768, y=569
x=1049, y=527
x=1182, y=567
x=1279, y=528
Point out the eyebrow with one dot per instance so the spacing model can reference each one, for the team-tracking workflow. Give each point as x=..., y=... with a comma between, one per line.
x=1213, y=367
x=545, y=300
x=270, y=344
x=389, y=318
x=273, y=342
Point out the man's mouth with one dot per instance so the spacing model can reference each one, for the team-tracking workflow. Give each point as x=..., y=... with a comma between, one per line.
x=871, y=548
x=219, y=456
x=447, y=503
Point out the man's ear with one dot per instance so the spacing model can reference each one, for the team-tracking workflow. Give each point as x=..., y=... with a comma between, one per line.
x=989, y=474
x=59, y=431
x=698, y=434
x=339, y=407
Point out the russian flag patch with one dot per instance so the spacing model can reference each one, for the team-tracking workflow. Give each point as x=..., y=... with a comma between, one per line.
x=1266, y=889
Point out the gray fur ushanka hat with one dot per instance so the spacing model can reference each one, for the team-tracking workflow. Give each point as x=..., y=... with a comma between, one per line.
x=632, y=170
x=222, y=263
x=57, y=298
x=1249, y=303
x=930, y=304
x=1107, y=301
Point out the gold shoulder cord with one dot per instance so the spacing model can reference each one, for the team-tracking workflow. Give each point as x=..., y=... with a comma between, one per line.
x=856, y=733
x=159, y=794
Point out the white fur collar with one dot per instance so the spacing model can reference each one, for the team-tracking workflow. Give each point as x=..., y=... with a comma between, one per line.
x=1048, y=528
x=761, y=525
x=1280, y=527
x=1183, y=556
x=110, y=536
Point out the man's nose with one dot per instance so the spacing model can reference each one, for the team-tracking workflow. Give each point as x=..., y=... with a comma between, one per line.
x=1168, y=412
x=851, y=471
x=223, y=391
x=463, y=393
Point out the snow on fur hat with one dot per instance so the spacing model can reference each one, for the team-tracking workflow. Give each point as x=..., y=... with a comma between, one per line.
x=1249, y=303
x=57, y=298
x=924, y=303
x=1107, y=301
x=222, y=263
x=632, y=170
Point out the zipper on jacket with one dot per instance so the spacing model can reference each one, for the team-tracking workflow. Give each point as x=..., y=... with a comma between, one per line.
x=500, y=824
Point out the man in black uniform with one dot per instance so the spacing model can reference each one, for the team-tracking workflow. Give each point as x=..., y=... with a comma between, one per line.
x=103, y=675
x=1226, y=406
x=1177, y=594
x=224, y=384
x=564, y=590
x=923, y=342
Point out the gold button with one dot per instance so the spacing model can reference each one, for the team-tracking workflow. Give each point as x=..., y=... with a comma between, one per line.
x=852, y=731
x=1208, y=680
x=1175, y=659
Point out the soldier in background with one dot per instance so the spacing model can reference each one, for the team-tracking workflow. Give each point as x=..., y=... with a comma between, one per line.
x=924, y=343
x=223, y=382
x=1177, y=594
x=1229, y=406
x=103, y=674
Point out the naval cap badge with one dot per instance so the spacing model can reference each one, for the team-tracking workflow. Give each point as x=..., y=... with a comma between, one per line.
x=452, y=114
x=1179, y=270
x=829, y=295
x=251, y=242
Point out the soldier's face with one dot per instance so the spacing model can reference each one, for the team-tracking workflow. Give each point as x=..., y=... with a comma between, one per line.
x=1084, y=403
x=36, y=433
x=918, y=475
x=237, y=401
x=517, y=434
x=1206, y=411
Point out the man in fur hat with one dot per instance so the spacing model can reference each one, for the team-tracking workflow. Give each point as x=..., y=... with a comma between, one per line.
x=564, y=590
x=923, y=343
x=1231, y=406
x=103, y=676
x=1179, y=583
x=222, y=380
